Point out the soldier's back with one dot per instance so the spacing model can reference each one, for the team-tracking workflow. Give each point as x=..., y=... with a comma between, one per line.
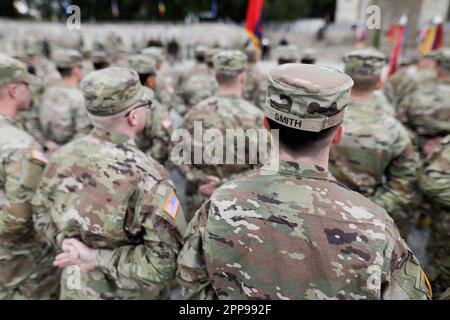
x=294, y=233
x=103, y=189
x=26, y=264
x=62, y=114
x=372, y=140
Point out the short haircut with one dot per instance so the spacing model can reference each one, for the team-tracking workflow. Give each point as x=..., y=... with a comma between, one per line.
x=144, y=76
x=365, y=83
x=226, y=79
x=285, y=61
x=65, y=72
x=296, y=141
x=100, y=65
x=308, y=61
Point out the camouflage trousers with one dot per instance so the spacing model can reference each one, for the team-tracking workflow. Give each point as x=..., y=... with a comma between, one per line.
x=28, y=274
x=438, y=249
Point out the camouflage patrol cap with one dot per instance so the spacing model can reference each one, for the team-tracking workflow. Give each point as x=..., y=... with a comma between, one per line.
x=309, y=54
x=210, y=53
x=288, y=53
x=99, y=57
x=155, y=53
x=14, y=71
x=307, y=97
x=229, y=62
x=66, y=58
x=365, y=62
x=442, y=58
x=251, y=52
x=113, y=90
x=143, y=64
x=200, y=51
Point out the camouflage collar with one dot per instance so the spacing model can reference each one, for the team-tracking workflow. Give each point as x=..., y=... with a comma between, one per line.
x=9, y=120
x=111, y=137
x=228, y=95
x=303, y=170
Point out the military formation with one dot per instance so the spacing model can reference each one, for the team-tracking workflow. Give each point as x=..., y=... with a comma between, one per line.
x=97, y=204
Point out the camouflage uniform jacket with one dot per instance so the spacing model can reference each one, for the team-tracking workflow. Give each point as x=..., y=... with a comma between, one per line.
x=381, y=103
x=26, y=270
x=104, y=191
x=63, y=115
x=221, y=112
x=401, y=86
x=295, y=233
x=428, y=111
x=376, y=157
x=197, y=88
x=155, y=138
x=254, y=87
x=435, y=183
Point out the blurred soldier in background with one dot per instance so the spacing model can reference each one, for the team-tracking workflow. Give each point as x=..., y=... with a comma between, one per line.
x=62, y=111
x=100, y=60
x=288, y=54
x=435, y=183
x=254, y=87
x=309, y=56
x=26, y=270
x=155, y=138
x=376, y=157
x=226, y=110
x=111, y=209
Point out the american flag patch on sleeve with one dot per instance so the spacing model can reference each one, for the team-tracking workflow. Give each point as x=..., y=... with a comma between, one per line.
x=171, y=206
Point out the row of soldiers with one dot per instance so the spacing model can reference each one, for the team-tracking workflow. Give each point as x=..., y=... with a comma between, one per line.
x=300, y=227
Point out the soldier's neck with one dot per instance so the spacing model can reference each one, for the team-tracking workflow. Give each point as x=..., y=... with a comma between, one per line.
x=8, y=109
x=362, y=95
x=233, y=90
x=70, y=82
x=320, y=159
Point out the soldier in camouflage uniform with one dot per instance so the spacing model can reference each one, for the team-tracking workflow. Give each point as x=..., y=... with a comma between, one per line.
x=254, y=88
x=199, y=83
x=62, y=115
x=226, y=110
x=309, y=56
x=26, y=270
x=376, y=157
x=290, y=230
x=100, y=60
x=288, y=54
x=435, y=183
x=428, y=110
x=399, y=88
x=155, y=138
x=110, y=208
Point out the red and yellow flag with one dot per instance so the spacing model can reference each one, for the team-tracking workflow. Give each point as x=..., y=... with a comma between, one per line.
x=254, y=21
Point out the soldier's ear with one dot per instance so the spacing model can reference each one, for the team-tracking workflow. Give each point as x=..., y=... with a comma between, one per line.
x=12, y=91
x=339, y=134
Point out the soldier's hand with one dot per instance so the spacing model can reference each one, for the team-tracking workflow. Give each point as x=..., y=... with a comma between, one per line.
x=211, y=184
x=76, y=253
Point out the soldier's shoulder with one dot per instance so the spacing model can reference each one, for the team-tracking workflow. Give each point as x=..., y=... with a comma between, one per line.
x=16, y=137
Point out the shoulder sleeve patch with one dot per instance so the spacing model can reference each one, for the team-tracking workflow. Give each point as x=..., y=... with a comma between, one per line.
x=39, y=156
x=172, y=205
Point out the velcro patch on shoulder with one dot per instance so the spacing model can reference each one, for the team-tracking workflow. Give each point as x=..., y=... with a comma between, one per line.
x=39, y=156
x=172, y=205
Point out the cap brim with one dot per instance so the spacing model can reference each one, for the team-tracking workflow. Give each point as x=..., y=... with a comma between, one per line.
x=146, y=94
x=32, y=80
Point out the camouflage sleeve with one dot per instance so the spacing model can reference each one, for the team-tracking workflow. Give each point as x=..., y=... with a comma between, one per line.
x=402, y=275
x=435, y=179
x=161, y=131
x=23, y=172
x=154, y=260
x=401, y=178
x=192, y=274
x=46, y=229
x=82, y=123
